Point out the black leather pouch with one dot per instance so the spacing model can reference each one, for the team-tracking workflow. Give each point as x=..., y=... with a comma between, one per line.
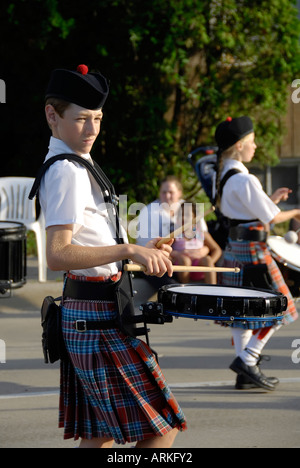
x=52, y=336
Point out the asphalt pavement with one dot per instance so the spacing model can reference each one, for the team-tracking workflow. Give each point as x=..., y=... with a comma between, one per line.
x=195, y=358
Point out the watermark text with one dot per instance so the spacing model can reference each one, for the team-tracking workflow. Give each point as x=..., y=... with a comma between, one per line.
x=143, y=222
x=296, y=353
x=296, y=94
x=2, y=352
x=2, y=92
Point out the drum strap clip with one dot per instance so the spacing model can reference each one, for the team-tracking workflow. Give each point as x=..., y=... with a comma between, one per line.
x=153, y=313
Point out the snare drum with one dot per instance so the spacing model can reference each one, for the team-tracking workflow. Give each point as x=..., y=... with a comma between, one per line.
x=222, y=303
x=288, y=257
x=12, y=253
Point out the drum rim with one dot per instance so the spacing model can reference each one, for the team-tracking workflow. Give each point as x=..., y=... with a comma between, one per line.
x=17, y=226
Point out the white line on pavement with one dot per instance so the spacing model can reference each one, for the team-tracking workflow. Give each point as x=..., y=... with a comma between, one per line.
x=183, y=385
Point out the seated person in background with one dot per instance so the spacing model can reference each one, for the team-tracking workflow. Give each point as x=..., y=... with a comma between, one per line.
x=160, y=217
x=195, y=247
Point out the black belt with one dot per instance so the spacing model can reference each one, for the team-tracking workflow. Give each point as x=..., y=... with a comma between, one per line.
x=85, y=325
x=89, y=290
x=240, y=233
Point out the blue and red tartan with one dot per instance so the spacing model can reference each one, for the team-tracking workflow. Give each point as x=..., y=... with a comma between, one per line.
x=240, y=254
x=112, y=385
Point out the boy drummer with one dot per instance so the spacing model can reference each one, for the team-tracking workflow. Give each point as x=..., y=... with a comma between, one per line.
x=112, y=389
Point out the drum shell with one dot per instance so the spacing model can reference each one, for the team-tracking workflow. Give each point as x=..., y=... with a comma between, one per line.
x=222, y=305
x=13, y=260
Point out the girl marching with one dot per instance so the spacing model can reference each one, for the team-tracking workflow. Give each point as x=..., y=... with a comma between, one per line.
x=251, y=212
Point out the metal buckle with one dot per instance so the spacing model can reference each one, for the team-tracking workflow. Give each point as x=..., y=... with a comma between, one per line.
x=80, y=326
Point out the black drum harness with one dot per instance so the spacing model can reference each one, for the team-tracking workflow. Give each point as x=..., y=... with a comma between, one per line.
x=121, y=291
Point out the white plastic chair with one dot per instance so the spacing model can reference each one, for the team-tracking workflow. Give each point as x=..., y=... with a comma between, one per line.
x=15, y=206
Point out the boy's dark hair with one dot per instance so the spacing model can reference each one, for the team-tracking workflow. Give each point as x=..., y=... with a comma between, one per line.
x=59, y=105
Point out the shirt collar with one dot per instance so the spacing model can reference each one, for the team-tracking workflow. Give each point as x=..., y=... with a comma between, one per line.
x=234, y=164
x=57, y=146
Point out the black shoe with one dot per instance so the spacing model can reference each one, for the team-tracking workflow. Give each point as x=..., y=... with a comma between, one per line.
x=273, y=380
x=243, y=383
x=252, y=373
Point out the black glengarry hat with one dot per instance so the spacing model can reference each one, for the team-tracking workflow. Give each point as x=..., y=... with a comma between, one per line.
x=232, y=130
x=88, y=90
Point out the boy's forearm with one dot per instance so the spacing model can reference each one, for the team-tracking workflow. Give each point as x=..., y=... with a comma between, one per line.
x=62, y=255
x=75, y=257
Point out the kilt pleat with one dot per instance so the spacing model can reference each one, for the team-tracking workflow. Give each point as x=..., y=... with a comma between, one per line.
x=111, y=386
x=240, y=254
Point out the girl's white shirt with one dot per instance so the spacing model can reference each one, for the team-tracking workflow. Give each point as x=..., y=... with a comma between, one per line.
x=243, y=196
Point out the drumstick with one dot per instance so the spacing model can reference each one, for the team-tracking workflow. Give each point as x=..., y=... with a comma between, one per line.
x=180, y=230
x=180, y=268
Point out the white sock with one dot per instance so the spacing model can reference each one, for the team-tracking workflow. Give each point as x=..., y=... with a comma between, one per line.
x=256, y=344
x=241, y=339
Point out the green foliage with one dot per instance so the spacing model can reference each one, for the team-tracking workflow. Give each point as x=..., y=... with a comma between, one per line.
x=177, y=68
x=31, y=244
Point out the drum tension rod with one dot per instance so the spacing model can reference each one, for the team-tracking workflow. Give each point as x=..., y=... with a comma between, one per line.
x=220, y=306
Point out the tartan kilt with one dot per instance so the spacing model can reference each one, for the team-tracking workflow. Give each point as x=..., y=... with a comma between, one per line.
x=240, y=254
x=111, y=386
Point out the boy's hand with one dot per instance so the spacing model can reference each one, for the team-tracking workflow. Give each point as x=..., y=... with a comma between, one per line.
x=157, y=261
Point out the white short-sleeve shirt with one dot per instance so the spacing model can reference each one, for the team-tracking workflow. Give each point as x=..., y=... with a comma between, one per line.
x=243, y=196
x=69, y=195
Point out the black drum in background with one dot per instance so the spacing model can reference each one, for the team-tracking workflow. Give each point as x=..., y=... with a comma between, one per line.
x=13, y=264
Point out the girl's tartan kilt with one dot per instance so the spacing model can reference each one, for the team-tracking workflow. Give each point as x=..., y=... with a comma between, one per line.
x=241, y=253
x=111, y=386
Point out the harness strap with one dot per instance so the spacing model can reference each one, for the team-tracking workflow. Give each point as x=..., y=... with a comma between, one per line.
x=124, y=288
x=226, y=177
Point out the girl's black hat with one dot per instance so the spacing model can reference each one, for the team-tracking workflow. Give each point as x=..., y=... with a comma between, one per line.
x=232, y=130
x=88, y=90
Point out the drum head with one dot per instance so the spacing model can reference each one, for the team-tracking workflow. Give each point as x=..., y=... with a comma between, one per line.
x=286, y=253
x=224, y=291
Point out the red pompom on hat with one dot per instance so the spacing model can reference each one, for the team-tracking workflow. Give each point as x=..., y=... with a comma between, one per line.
x=83, y=69
x=229, y=119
